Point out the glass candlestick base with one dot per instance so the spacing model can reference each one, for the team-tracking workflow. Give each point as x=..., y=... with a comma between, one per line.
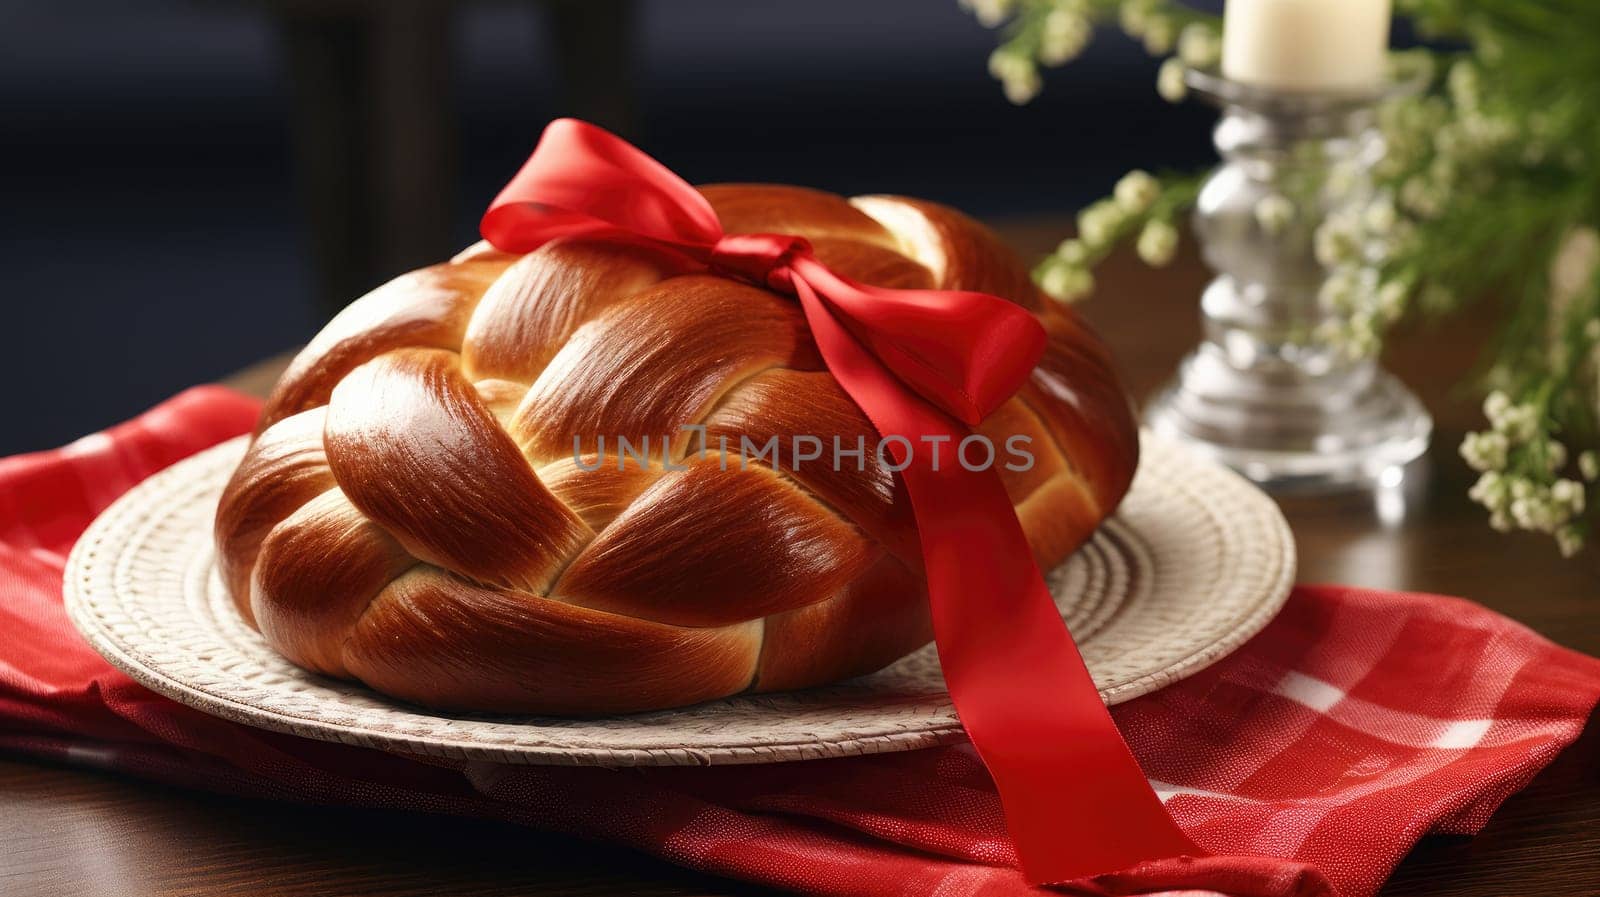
x=1270, y=391
x=1288, y=431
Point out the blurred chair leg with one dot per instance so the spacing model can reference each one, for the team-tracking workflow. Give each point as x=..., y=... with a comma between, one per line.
x=594, y=51
x=374, y=138
x=414, y=133
x=326, y=61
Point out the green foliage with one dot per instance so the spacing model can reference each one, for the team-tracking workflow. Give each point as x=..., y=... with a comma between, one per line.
x=1489, y=192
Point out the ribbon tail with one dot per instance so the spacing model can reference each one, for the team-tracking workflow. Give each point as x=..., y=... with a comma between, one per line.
x=1076, y=802
x=966, y=352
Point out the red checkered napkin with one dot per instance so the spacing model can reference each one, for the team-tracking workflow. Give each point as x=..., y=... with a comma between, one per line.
x=1308, y=762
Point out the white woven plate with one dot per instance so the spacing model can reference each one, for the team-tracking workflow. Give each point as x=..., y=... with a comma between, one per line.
x=1194, y=563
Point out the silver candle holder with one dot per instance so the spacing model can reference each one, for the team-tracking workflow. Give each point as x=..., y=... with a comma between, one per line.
x=1268, y=392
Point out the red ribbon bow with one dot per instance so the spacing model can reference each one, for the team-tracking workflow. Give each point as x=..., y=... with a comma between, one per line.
x=920, y=364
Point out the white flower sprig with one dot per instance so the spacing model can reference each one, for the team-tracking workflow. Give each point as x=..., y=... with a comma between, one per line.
x=1521, y=480
x=1141, y=207
x=1052, y=33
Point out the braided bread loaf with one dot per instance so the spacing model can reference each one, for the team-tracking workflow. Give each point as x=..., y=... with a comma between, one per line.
x=415, y=510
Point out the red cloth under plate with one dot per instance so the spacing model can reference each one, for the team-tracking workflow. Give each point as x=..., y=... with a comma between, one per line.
x=1308, y=762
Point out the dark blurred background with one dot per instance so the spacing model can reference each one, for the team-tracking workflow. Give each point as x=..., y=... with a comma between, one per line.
x=190, y=187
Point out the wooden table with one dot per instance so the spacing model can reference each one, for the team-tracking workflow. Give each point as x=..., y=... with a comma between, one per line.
x=69, y=832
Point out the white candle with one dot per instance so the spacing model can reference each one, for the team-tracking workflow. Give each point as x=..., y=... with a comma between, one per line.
x=1305, y=44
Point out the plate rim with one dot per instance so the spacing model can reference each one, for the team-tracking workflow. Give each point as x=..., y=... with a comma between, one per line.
x=733, y=752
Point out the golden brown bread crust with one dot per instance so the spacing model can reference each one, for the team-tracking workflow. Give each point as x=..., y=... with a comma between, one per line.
x=411, y=513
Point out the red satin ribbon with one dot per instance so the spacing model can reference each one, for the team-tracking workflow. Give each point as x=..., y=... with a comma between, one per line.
x=919, y=363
